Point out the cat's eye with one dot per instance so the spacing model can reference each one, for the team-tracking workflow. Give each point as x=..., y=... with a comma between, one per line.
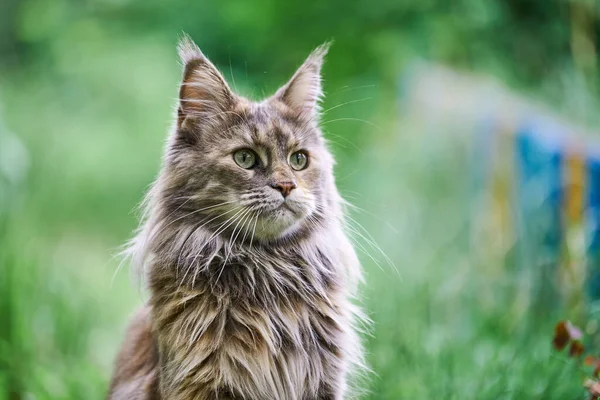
x=299, y=160
x=245, y=158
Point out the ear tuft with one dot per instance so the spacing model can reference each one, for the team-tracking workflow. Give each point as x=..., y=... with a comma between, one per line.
x=304, y=91
x=320, y=52
x=188, y=50
x=204, y=92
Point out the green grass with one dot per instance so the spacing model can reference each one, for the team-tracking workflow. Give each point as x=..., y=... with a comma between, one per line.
x=446, y=324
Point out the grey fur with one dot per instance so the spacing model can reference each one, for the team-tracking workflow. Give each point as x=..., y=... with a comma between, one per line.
x=251, y=294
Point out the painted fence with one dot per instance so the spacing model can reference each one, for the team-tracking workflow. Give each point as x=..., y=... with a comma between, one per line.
x=540, y=175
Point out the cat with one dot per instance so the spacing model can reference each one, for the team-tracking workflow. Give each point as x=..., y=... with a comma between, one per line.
x=252, y=280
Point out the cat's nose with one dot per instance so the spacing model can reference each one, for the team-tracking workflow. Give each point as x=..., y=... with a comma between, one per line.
x=285, y=188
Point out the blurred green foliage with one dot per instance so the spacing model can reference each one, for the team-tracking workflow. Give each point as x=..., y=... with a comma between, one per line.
x=89, y=87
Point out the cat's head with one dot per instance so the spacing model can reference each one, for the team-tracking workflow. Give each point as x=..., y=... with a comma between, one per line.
x=243, y=169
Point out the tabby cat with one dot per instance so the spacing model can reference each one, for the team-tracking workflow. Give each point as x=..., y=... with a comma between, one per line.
x=242, y=247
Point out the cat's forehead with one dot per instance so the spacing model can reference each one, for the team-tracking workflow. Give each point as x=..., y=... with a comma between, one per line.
x=272, y=124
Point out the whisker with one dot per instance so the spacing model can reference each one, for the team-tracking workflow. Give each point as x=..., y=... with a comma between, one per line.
x=328, y=133
x=352, y=119
x=329, y=140
x=163, y=228
x=368, y=254
x=218, y=231
x=199, y=210
x=343, y=178
x=347, y=88
x=345, y=103
x=180, y=206
x=226, y=255
x=232, y=238
x=248, y=227
x=387, y=223
x=191, y=264
x=254, y=229
x=371, y=242
x=203, y=223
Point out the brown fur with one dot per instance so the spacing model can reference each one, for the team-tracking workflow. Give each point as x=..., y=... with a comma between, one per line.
x=136, y=365
x=250, y=291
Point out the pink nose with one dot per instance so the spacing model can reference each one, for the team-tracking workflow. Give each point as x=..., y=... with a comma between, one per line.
x=285, y=188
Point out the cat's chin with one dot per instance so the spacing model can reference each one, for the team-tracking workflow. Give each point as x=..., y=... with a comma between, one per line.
x=277, y=225
x=270, y=236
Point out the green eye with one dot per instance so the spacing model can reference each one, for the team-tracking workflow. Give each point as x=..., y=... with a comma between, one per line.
x=299, y=160
x=245, y=158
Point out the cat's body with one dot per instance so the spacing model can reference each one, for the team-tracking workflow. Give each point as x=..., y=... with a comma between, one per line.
x=250, y=274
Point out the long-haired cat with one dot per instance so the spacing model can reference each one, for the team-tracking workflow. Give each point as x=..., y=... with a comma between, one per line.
x=250, y=274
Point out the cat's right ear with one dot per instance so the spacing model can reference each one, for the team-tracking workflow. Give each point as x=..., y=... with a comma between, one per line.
x=204, y=92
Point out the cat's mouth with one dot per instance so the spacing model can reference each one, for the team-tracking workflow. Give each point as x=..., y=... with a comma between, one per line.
x=288, y=207
x=284, y=211
x=275, y=216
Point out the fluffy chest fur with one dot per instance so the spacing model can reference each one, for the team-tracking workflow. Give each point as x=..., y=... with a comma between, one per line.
x=255, y=325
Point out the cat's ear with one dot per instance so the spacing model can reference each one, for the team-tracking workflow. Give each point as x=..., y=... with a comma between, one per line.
x=303, y=92
x=203, y=92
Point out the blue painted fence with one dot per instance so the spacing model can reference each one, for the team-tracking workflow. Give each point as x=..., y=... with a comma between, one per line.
x=544, y=175
x=556, y=188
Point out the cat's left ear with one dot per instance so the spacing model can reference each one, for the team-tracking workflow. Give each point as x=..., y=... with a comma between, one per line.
x=303, y=92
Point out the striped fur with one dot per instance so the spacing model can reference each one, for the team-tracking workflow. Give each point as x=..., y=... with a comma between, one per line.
x=251, y=294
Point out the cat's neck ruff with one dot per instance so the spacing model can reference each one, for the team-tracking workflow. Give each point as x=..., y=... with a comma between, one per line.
x=189, y=255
